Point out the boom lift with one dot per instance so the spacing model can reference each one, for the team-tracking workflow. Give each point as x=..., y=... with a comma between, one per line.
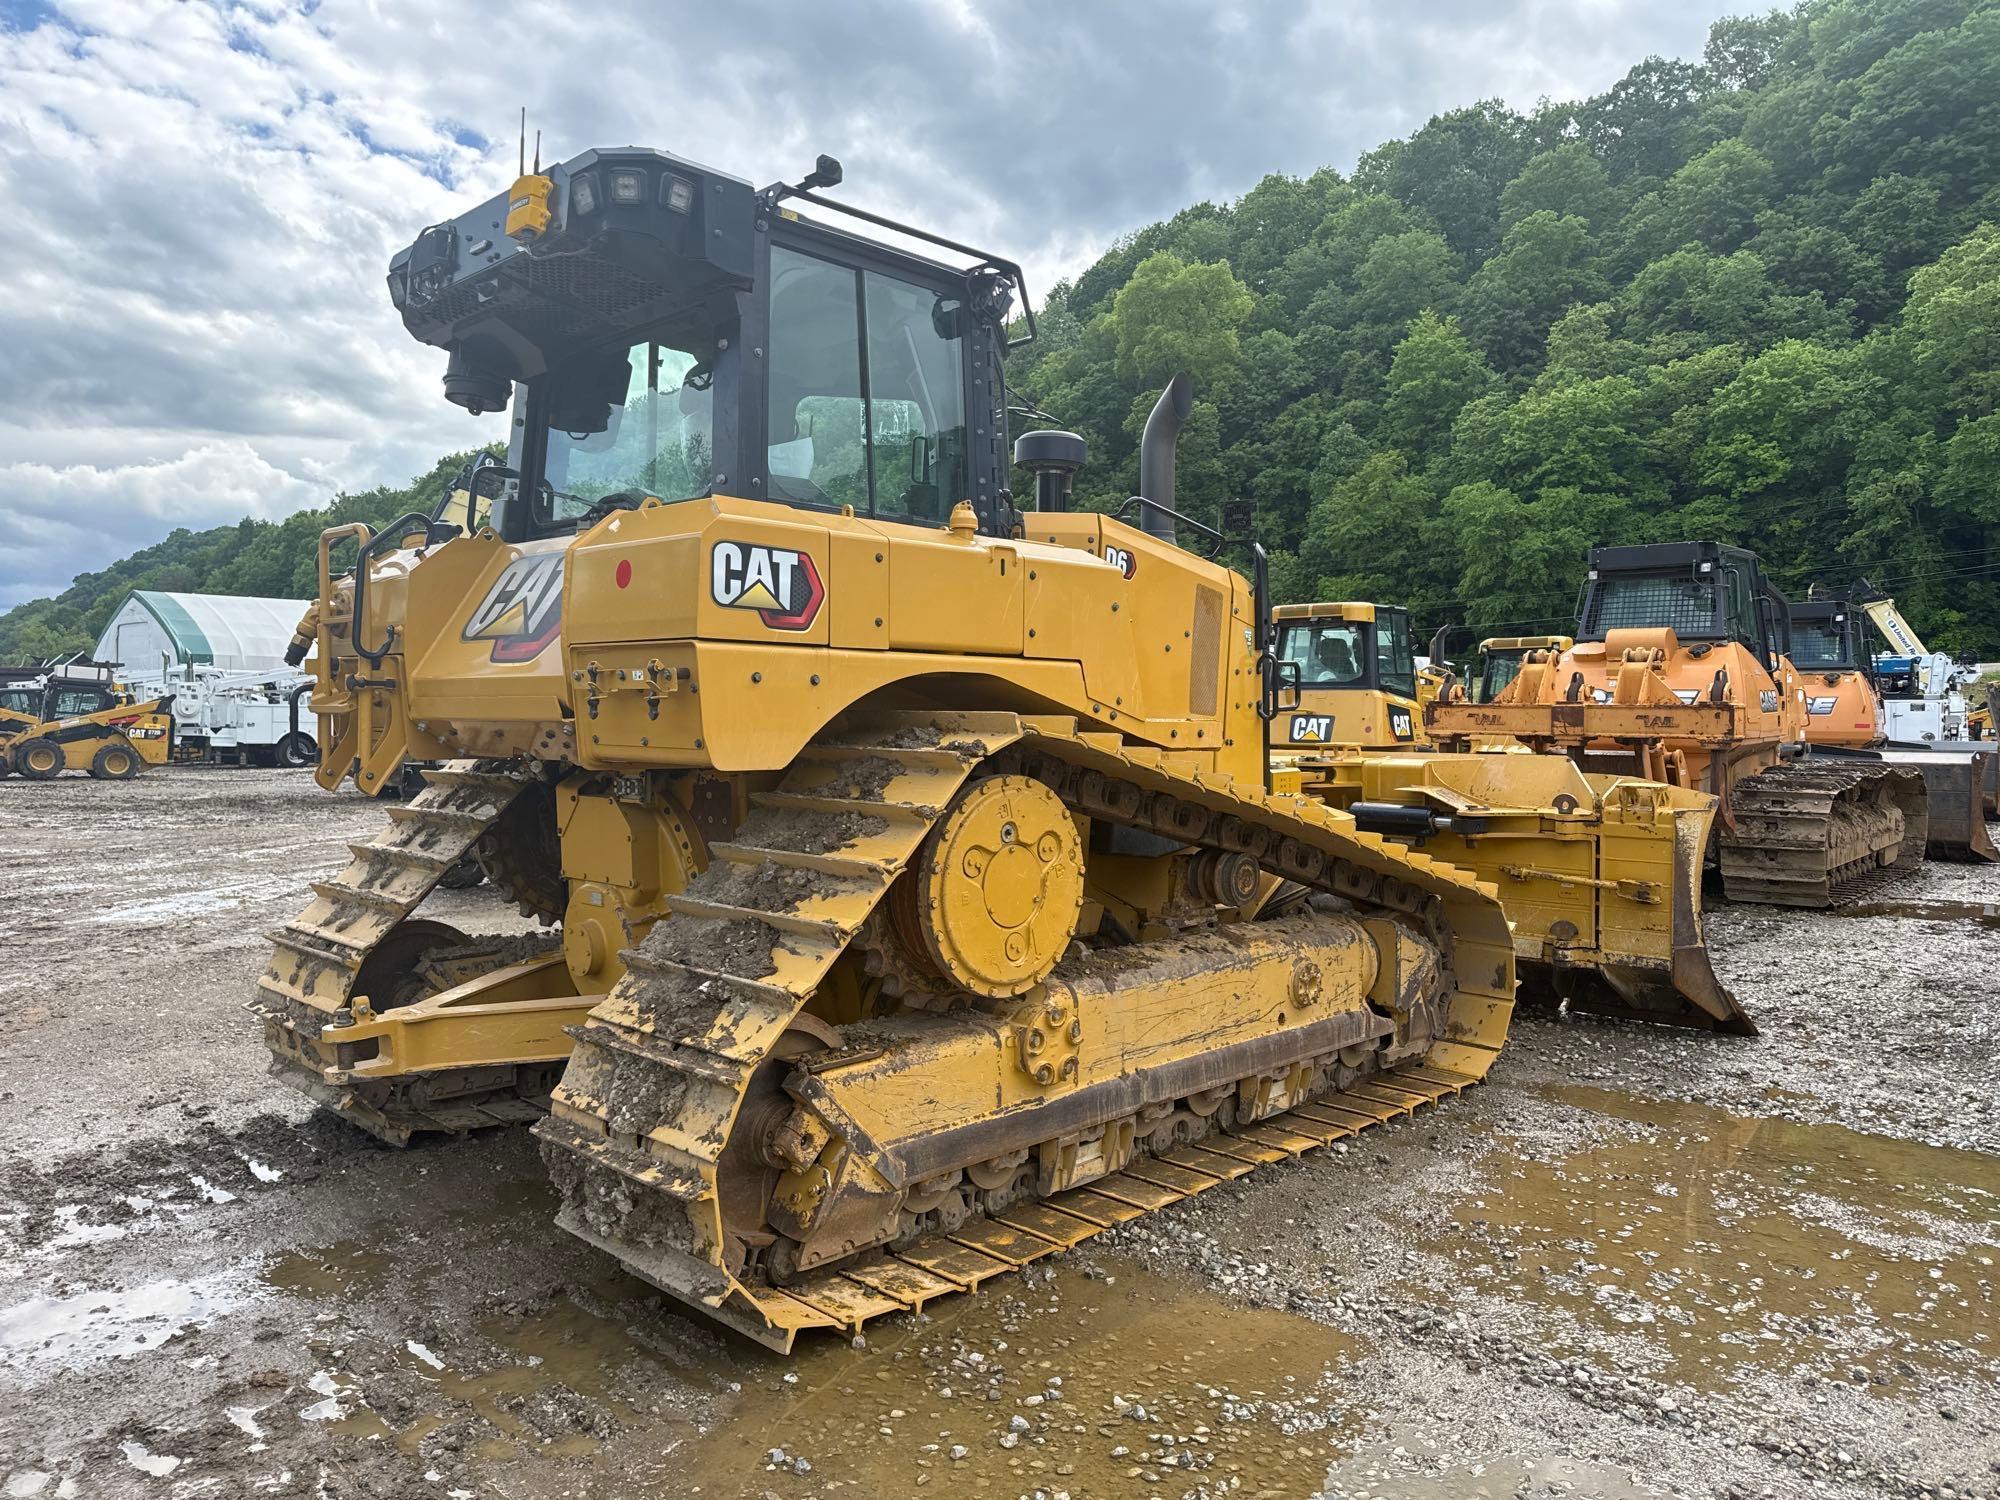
x=923, y=904
x=1679, y=674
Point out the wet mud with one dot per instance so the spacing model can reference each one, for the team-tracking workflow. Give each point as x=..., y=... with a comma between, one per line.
x=1637, y=1263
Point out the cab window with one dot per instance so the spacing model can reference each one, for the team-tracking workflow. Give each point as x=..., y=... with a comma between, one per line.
x=1396, y=666
x=627, y=421
x=1329, y=653
x=916, y=400
x=74, y=702
x=885, y=435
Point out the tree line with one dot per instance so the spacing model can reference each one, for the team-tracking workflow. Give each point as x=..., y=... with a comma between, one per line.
x=1754, y=298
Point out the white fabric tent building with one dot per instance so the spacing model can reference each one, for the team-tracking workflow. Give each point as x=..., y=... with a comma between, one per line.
x=229, y=632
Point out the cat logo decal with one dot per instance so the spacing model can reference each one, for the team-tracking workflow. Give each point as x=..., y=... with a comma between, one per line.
x=1312, y=729
x=783, y=586
x=522, y=612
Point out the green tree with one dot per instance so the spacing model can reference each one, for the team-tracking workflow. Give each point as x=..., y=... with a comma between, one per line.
x=1546, y=266
x=1434, y=373
x=1173, y=317
x=1568, y=181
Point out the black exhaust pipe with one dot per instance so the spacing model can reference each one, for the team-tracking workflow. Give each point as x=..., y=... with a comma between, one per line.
x=1156, y=456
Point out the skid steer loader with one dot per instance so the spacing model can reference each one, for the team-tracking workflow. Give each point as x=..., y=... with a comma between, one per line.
x=1600, y=874
x=1679, y=674
x=909, y=853
x=78, y=718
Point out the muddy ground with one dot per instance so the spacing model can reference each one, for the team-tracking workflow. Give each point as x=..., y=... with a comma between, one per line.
x=1637, y=1263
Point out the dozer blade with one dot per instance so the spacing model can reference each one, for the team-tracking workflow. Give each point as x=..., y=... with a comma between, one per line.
x=1957, y=783
x=1600, y=875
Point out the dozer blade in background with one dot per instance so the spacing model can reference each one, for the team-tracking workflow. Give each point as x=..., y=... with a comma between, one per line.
x=1600, y=875
x=1957, y=779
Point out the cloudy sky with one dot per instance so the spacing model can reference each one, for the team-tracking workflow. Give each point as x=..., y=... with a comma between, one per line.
x=200, y=197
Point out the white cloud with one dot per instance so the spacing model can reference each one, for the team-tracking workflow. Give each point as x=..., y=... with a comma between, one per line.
x=203, y=196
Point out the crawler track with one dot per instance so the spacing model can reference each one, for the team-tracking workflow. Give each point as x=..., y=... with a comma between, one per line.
x=644, y=1117
x=1822, y=832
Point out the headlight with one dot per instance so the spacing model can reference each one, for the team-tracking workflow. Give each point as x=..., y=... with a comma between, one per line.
x=627, y=187
x=677, y=193
x=583, y=194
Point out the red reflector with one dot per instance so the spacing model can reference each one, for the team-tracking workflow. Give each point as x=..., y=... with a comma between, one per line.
x=624, y=573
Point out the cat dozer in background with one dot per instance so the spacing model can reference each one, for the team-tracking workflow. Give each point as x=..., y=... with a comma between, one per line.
x=1600, y=874
x=906, y=852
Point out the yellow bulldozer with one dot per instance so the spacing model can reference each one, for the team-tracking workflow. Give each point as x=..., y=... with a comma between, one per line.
x=1600, y=875
x=76, y=717
x=923, y=902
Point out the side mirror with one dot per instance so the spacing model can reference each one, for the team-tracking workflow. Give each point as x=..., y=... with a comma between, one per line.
x=1239, y=518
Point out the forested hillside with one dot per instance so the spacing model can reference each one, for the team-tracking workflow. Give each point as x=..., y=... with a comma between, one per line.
x=274, y=559
x=1754, y=297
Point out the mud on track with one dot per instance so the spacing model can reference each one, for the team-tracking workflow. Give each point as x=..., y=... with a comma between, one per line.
x=1636, y=1263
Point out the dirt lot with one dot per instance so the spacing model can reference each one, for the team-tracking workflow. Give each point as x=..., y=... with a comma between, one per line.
x=1637, y=1263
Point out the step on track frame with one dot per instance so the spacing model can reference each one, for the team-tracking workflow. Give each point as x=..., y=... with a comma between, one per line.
x=647, y=1106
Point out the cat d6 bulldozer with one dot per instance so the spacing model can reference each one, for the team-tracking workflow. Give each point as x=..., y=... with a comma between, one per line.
x=920, y=900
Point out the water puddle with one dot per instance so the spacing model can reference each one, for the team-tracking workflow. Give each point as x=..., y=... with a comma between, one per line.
x=1984, y=913
x=1121, y=1385
x=571, y=1384
x=1408, y=1465
x=1711, y=1247
x=50, y=1332
x=351, y=1268
x=1106, y=1381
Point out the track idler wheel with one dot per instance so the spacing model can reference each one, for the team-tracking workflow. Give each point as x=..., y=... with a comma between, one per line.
x=999, y=887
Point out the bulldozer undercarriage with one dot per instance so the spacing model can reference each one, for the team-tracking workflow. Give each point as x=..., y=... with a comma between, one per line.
x=357, y=967
x=1821, y=832
x=865, y=1063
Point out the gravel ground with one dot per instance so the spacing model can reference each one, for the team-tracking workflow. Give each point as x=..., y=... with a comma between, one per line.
x=1639, y=1263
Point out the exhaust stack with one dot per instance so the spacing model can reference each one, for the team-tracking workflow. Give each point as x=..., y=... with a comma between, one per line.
x=1156, y=456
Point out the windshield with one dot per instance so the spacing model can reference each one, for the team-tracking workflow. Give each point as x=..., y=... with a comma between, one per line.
x=1643, y=601
x=21, y=700
x=1819, y=644
x=648, y=431
x=1329, y=653
x=1494, y=676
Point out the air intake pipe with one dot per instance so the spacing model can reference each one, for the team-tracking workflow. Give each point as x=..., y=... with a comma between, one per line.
x=1156, y=456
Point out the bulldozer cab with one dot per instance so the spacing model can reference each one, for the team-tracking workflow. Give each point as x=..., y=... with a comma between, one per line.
x=1356, y=674
x=670, y=332
x=1828, y=636
x=1702, y=591
x=1500, y=659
